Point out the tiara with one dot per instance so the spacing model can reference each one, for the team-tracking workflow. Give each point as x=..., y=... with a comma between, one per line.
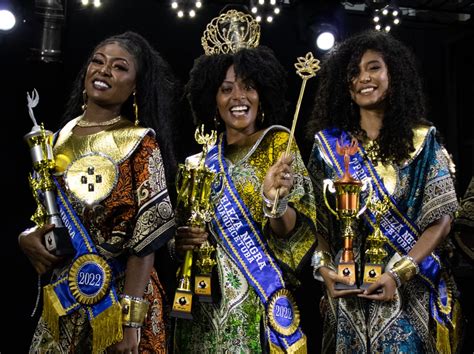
x=230, y=32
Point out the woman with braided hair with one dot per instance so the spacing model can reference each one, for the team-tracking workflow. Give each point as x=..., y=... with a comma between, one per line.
x=113, y=160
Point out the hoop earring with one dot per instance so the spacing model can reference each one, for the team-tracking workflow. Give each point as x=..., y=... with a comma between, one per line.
x=84, y=99
x=217, y=120
x=135, y=108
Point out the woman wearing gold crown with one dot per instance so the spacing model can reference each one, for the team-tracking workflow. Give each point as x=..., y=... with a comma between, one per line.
x=238, y=88
x=113, y=199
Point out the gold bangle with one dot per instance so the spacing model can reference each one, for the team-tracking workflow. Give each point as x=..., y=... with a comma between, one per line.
x=405, y=269
x=134, y=310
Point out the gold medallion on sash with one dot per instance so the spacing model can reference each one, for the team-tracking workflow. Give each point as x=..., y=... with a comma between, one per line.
x=89, y=279
x=282, y=312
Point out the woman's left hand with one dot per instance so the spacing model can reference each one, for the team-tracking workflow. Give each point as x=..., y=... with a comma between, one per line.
x=128, y=344
x=279, y=176
x=384, y=289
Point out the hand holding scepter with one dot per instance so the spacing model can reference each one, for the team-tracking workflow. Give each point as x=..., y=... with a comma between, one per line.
x=306, y=68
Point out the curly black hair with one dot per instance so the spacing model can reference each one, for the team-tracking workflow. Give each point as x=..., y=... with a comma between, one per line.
x=405, y=101
x=156, y=94
x=258, y=65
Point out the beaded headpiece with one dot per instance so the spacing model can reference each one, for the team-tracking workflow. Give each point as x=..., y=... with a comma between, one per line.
x=230, y=32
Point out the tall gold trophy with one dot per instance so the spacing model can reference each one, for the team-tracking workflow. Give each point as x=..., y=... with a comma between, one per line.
x=194, y=207
x=375, y=253
x=40, y=142
x=348, y=208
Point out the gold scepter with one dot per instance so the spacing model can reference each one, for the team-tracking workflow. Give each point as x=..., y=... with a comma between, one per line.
x=306, y=68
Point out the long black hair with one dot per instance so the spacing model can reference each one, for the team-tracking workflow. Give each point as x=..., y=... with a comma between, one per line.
x=258, y=65
x=156, y=94
x=405, y=101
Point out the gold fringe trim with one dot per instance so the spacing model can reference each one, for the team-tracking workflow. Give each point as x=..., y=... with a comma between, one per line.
x=448, y=337
x=107, y=328
x=52, y=310
x=300, y=347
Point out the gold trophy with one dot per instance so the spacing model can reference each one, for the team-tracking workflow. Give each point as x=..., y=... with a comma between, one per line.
x=40, y=142
x=348, y=208
x=194, y=207
x=375, y=252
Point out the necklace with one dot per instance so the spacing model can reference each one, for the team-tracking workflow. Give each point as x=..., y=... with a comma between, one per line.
x=87, y=124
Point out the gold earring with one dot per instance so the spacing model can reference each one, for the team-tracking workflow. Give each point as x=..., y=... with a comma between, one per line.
x=84, y=99
x=135, y=108
x=217, y=120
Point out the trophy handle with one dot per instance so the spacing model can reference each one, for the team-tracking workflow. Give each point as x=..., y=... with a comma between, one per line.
x=366, y=183
x=327, y=183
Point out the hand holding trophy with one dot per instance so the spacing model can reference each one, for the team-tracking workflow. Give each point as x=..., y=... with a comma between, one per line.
x=348, y=208
x=40, y=142
x=196, y=185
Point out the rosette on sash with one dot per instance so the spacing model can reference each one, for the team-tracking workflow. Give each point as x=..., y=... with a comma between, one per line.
x=401, y=232
x=243, y=240
x=87, y=284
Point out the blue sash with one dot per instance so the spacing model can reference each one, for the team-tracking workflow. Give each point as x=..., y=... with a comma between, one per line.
x=89, y=283
x=401, y=232
x=243, y=240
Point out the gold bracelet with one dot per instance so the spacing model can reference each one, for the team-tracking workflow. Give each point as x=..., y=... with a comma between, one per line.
x=134, y=310
x=405, y=268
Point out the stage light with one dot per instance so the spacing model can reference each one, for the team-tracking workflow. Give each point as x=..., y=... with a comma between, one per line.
x=386, y=17
x=266, y=9
x=51, y=19
x=188, y=7
x=324, y=35
x=7, y=20
x=325, y=40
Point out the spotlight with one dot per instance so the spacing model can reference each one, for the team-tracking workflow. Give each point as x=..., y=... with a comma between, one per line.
x=51, y=15
x=266, y=9
x=325, y=35
x=386, y=17
x=7, y=20
x=189, y=7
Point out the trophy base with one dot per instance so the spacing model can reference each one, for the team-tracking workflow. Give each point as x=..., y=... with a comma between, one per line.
x=58, y=242
x=348, y=271
x=372, y=273
x=202, y=287
x=182, y=304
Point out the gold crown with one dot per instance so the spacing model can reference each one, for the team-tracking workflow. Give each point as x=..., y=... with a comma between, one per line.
x=230, y=32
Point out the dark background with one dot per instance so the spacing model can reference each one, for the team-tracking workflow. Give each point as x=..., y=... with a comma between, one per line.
x=442, y=43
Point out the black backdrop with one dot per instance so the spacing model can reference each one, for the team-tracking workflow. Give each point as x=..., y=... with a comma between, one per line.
x=444, y=51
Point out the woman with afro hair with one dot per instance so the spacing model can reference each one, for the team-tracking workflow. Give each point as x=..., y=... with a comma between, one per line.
x=370, y=92
x=260, y=253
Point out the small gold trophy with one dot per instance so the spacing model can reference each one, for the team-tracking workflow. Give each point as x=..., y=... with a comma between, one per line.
x=195, y=203
x=40, y=142
x=348, y=208
x=375, y=252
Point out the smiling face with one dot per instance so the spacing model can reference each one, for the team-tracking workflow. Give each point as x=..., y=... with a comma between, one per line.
x=237, y=102
x=111, y=76
x=369, y=88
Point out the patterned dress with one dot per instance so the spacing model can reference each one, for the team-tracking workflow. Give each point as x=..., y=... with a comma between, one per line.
x=135, y=217
x=235, y=322
x=423, y=190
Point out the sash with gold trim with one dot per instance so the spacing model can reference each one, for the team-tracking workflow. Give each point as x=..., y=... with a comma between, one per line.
x=88, y=284
x=243, y=240
x=401, y=232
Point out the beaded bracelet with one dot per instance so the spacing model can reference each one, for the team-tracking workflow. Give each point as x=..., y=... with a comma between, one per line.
x=268, y=207
x=134, y=310
x=395, y=277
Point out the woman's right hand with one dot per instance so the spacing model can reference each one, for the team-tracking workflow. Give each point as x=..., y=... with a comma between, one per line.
x=31, y=243
x=331, y=278
x=187, y=238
